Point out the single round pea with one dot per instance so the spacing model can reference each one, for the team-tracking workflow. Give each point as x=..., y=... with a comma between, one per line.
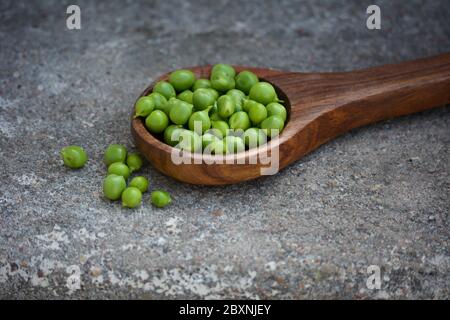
x=203, y=98
x=222, y=82
x=170, y=135
x=257, y=113
x=276, y=109
x=139, y=182
x=208, y=138
x=165, y=88
x=224, y=68
x=248, y=104
x=201, y=83
x=199, y=121
x=182, y=79
x=225, y=106
x=120, y=169
x=272, y=126
x=239, y=120
x=254, y=137
x=189, y=141
x=113, y=186
x=160, y=198
x=263, y=92
x=187, y=96
x=238, y=96
x=143, y=107
x=181, y=112
x=245, y=80
x=134, y=162
x=74, y=157
x=131, y=197
x=216, y=147
x=222, y=126
x=234, y=144
x=214, y=93
x=115, y=153
x=157, y=121
x=158, y=99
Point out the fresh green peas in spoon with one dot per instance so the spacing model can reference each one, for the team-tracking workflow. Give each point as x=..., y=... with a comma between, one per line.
x=113, y=186
x=263, y=92
x=157, y=121
x=239, y=120
x=115, y=153
x=224, y=68
x=165, y=88
x=222, y=82
x=187, y=96
x=74, y=156
x=134, y=162
x=180, y=112
x=199, y=121
x=245, y=80
x=170, y=135
x=254, y=137
x=222, y=126
x=160, y=198
x=131, y=197
x=139, y=182
x=189, y=141
x=119, y=169
x=203, y=98
x=234, y=144
x=272, y=126
x=144, y=106
x=226, y=106
x=158, y=99
x=276, y=109
x=201, y=83
x=182, y=79
x=257, y=113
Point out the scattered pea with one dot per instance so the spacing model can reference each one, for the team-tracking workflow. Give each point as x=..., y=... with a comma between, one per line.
x=74, y=157
x=134, y=162
x=120, y=169
x=113, y=186
x=131, y=197
x=160, y=198
x=139, y=182
x=115, y=153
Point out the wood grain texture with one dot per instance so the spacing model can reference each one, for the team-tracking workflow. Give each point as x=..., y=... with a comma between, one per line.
x=321, y=106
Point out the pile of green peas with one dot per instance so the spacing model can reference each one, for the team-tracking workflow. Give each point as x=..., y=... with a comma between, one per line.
x=227, y=113
x=121, y=165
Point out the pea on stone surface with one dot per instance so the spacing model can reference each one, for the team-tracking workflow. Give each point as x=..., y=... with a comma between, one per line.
x=113, y=186
x=160, y=198
x=134, y=162
x=115, y=153
x=74, y=157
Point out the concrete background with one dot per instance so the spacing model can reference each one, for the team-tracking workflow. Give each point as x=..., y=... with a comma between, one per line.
x=379, y=195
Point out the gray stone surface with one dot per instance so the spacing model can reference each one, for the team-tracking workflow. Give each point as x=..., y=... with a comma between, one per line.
x=379, y=195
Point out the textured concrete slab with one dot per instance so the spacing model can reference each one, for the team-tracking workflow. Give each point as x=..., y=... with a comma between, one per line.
x=375, y=196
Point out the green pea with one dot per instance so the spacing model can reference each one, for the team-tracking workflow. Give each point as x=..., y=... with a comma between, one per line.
x=276, y=109
x=131, y=197
x=224, y=68
x=134, y=162
x=222, y=82
x=272, y=126
x=234, y=144
x=200, y=120
x=238, y=97
x=222, y=126
x=263, y=92
x=208, y=138
x=254, y=137
x=181, y=112
x=139, y=182
x=160, y=198
x=203, y=98
x=168, y=105
x=216, y=147
x=165, y=88
x=113, y=186
x=248, y=104
x=170, y=137
x=74, y=156
x=182, y=79
x=245, y=80
x=214, y=93
x=201, y=83
x=157, y=121
x=187, y=96
x=239, y=120
x=158, y=99
x=226, y=106
x=119, y=169
x=143, y=106
x=115, y=153
x=257, y=113
x=189, y=141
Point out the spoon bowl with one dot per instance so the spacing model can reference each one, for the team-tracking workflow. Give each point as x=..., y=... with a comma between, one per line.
x=320, y=107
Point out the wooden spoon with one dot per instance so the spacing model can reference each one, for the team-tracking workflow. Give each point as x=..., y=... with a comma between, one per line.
x=321, y=106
